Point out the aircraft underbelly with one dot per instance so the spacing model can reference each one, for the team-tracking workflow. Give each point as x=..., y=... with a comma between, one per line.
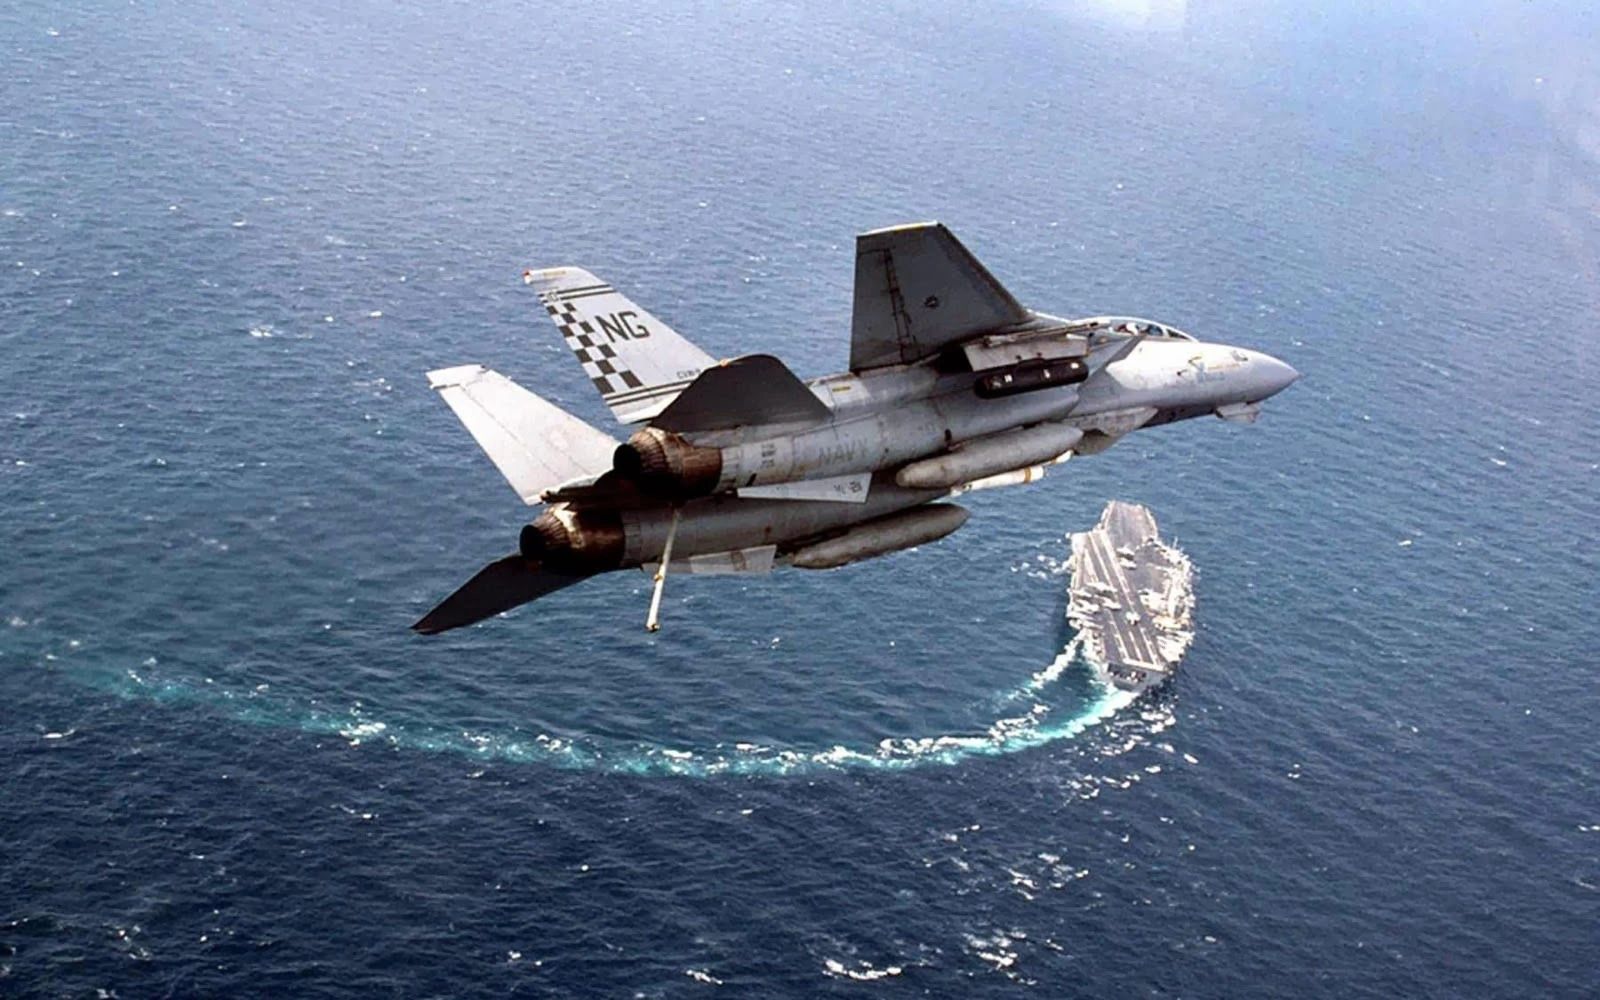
x=720, y=523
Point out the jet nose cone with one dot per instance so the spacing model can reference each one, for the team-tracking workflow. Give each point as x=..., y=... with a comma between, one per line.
x=1276, y=375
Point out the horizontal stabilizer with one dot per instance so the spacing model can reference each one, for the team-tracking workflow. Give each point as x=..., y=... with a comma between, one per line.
x=500, y=586
x=919, y=290
x=636, y=362
x=535, y=444
x=755, y=389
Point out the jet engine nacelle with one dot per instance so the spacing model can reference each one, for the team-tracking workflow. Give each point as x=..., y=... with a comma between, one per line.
x=666, y=464
x=589, y=541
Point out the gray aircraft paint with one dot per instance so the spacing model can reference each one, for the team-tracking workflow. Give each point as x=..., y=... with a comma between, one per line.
x=725, y=521
x=927, y=314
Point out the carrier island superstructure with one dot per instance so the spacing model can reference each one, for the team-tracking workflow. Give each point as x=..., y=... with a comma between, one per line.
x=1131, y=599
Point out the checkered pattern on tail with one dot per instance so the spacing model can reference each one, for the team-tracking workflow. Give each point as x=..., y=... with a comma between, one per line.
x=600, y=362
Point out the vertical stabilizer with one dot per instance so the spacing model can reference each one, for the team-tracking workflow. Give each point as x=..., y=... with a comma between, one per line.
x=638, y=363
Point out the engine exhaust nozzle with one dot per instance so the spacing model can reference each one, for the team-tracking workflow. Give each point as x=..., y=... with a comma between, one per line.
x=666, y=464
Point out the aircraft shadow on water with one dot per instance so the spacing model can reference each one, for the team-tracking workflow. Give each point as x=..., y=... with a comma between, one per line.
x=741, y=466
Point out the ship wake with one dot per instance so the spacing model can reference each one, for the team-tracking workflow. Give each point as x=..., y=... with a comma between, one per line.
x=1051, y=715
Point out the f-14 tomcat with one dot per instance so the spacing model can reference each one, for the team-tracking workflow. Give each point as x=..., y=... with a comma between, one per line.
x=741, y=466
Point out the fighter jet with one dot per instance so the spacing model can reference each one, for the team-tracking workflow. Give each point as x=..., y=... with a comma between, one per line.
x=740, y=466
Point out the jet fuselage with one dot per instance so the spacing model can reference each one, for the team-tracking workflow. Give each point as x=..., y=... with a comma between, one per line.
x=953, y=386
x=884, y=420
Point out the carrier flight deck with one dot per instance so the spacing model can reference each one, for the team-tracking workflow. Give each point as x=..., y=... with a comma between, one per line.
x=1132, y=598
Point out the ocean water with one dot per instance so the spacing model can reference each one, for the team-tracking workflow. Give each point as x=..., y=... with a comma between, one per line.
x=233, y=238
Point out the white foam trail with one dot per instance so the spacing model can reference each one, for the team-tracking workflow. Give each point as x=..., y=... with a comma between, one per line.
x=1008, y=734
x=865, y=974
x=1052, y=673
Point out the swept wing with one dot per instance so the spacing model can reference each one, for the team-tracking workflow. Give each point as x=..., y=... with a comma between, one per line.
x=918, y=290
x=637, y=363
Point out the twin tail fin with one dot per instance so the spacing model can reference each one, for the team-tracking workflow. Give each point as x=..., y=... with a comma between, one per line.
x=637, y=363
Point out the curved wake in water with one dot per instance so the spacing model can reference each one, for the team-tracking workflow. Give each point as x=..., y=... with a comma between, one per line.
x=1033, y=728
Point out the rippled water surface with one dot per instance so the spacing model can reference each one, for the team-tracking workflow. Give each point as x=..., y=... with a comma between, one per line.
x=232, y=239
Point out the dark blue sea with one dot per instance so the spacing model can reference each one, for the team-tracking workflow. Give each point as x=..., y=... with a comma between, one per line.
x=234, y=236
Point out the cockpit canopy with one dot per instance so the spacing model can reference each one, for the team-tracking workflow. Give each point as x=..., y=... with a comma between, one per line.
x=1131, y=325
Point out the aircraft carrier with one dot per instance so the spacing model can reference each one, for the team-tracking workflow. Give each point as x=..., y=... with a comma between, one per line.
x=1131, y=599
